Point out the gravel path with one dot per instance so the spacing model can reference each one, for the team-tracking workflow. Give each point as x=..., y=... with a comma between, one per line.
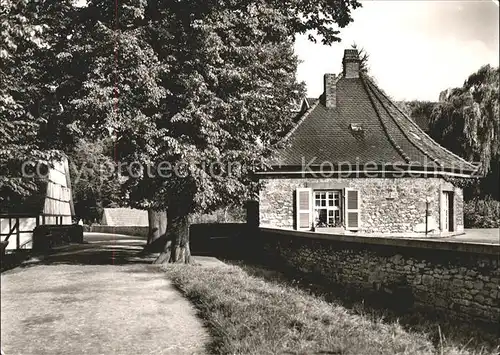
x=66, y=309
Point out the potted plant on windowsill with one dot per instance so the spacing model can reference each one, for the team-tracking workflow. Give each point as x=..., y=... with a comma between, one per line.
x=320, y=227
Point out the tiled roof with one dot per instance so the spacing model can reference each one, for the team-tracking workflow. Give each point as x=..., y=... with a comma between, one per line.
x=125, y=217
x=311, y=100
x=364, y=127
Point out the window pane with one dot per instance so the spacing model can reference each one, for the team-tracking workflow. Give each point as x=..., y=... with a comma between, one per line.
x=330, y=202
x=317, y=203
x=323, y=202
x=4, y=226
x=323, y=195
x=321, y=222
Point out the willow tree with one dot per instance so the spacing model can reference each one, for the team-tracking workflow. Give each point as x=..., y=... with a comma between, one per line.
x=467, y=121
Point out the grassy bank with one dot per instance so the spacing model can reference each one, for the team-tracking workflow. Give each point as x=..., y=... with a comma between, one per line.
x=441, y=328
x=248, y=315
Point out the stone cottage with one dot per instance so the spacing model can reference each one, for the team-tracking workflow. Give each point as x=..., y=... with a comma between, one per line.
x=355, y=162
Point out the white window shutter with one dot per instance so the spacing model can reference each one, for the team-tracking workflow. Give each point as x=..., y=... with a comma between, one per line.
x=303, y=218
x=352, y=209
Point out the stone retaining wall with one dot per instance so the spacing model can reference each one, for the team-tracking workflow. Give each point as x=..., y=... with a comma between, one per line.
x=460, y=279
x=45, y=237
x=126, y=230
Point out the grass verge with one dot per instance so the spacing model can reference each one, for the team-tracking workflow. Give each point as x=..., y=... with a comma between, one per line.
x=248, y=315
x=440, y=328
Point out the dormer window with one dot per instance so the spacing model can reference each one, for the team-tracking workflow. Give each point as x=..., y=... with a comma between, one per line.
x=356, y=128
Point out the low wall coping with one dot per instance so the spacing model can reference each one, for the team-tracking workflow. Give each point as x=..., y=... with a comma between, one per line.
x=461, y=246
x=113, y=226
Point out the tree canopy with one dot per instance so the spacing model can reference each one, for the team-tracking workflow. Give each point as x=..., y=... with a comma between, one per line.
x=466, y=120
x=473, y=110
x=203, y=88
x=21, y=39
x=35, y=125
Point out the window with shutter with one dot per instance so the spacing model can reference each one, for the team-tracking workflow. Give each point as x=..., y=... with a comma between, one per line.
x=327, y=208
x=352, y=209
x=303, y=216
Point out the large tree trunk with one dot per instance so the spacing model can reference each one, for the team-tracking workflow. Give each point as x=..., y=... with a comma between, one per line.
x=177, y=247
x=157, y=221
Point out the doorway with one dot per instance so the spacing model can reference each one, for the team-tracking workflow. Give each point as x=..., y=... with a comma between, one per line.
x=448, y=215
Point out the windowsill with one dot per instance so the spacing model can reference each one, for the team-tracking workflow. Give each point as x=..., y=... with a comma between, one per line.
x=334, y=230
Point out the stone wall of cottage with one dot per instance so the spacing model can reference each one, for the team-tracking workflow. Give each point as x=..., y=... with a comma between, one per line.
x=459, y=208
x=388, y=205
x=461, y=281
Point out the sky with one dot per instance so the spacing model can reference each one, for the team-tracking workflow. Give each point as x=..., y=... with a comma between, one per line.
x=417, y=48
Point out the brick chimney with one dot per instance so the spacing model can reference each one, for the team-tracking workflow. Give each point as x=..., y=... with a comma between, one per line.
x=351, y=63
x=330, y=90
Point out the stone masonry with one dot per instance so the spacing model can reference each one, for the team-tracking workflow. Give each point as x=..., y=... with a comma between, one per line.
x=461, y=281
x=388, y=205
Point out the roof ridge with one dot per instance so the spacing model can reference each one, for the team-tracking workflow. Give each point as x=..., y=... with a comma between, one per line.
x=294, y=128
x=304, y=100
x=302, y=119
x=422, y=131
x=373, y=87
x=384, y=127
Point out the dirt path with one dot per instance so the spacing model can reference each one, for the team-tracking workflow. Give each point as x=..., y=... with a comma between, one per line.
x=96, y=309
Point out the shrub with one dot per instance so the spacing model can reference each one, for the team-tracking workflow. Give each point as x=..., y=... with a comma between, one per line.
x=230, y=214
x=482, y=213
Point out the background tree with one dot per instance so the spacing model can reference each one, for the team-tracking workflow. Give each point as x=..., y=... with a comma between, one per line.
x=419, y=111
x=95, y=181
x=364, y=59
x=467, y=121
